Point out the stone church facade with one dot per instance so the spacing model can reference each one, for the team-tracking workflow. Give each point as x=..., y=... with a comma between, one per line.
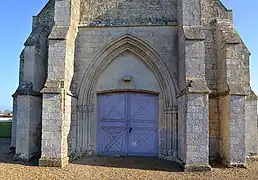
x=163, y=78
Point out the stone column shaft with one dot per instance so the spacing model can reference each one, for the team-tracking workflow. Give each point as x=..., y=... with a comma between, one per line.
x=171, y=130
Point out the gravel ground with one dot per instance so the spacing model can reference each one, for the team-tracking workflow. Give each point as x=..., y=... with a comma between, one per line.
x=117, y=168
x=126, y=168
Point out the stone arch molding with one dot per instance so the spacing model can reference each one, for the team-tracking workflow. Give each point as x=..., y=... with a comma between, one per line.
x=140, y=48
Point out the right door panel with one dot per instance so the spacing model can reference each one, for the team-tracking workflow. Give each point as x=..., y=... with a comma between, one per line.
x=142, y=124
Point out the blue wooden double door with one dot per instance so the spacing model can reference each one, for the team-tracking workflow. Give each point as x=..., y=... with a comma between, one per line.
x=127, y=124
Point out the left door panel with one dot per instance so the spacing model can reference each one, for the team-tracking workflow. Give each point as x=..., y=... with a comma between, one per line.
x=112, y=124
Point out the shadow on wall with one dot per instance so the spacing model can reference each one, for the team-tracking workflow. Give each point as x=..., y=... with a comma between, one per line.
x=144, y=163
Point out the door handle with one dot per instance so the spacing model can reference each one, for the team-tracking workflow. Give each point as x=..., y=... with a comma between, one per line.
x=130, y=130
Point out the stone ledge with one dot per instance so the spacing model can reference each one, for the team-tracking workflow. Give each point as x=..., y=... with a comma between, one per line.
x=25, y=158
x=194, y=33
x=252, y=158
x=54, y=162
x=26, y=88
x=197, y=168
x=51, y=90
x=251, y=96
x=198, y=85
x=236, y=165
x=228, y=31
x=59, y=33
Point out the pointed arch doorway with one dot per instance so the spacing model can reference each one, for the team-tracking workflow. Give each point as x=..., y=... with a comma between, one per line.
x=127, y=64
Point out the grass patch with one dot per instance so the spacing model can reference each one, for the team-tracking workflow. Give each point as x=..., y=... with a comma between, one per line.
x=5, y=129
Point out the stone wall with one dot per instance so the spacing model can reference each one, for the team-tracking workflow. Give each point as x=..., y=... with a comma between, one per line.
x=127, y=12
x=213, y=9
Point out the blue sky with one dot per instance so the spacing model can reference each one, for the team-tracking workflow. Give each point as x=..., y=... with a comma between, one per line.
x=16, y=22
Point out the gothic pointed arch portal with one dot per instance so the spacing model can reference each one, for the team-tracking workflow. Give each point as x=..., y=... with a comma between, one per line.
x=86, y=138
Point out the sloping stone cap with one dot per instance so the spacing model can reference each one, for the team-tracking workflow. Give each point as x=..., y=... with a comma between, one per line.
x=194, y=86
x=35, y=36
x=26, y=89
x=59, y=33
x=53, y=87
x=194, y=33
x=51, y=90
x=199, y=86
x=251, y=96
x=228, y=31
x=238, y=89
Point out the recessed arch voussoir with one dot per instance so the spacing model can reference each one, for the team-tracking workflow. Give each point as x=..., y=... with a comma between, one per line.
x=140, y=48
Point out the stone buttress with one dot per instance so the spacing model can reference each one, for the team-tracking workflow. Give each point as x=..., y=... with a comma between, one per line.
x=27, y=106
x=57, y=99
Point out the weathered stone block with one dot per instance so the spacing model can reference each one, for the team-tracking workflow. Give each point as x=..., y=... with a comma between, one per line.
x=54, y=162
x=197, y=168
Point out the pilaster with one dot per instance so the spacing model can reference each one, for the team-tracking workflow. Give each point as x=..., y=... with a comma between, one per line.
x=170, y=115
x=54, y=130
x=83, y=129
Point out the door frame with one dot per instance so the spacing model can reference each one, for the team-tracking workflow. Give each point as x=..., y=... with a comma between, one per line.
x=129, y=91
